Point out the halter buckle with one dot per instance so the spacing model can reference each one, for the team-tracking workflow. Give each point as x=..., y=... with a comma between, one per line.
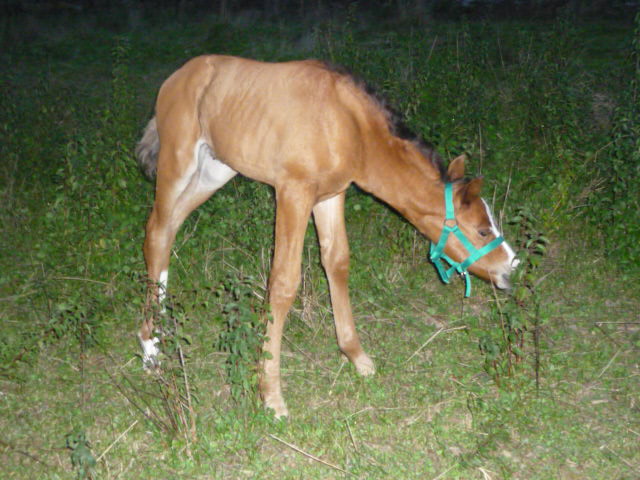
x=450, y=222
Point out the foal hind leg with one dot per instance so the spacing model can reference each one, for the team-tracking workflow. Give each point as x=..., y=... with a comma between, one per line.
x=177, y=195
x=334, y=250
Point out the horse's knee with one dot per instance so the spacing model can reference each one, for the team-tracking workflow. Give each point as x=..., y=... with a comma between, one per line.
x=334, y=261
x=283, y=289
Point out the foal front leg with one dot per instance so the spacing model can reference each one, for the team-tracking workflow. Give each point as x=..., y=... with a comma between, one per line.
x=293, y=208
x=334, y=250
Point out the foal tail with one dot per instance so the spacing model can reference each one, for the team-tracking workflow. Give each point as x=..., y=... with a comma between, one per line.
x=147, y=150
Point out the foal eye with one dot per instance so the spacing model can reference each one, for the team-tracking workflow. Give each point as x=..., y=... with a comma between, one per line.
x=484, y=232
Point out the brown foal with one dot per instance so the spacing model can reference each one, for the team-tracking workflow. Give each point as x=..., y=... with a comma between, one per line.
x=309, y=132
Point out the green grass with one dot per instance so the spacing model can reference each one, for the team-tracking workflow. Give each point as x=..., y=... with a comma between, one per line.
x=518, y=97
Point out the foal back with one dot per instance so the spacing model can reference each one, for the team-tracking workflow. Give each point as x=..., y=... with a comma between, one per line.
x=272, y=122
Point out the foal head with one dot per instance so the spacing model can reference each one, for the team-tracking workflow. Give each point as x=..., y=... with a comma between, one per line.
x=474, y=219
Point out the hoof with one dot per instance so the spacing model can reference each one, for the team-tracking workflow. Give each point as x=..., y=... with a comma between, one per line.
x=278, y=407
x=150, y=352
x=364, y=365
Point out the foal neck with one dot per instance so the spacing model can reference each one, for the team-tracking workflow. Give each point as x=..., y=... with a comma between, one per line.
x=405, y=178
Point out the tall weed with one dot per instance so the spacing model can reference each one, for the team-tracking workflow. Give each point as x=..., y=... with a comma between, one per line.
x=521, y=313
x=167, y=402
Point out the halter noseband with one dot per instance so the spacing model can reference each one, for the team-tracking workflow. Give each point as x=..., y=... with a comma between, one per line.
x=436, y=252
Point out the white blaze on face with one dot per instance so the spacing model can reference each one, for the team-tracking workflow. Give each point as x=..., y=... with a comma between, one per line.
x=512, y=261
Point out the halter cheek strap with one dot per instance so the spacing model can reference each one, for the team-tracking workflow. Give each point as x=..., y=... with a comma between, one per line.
x=436, y=252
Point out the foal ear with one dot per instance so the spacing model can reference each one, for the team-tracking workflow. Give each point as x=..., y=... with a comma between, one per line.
x=456, y=168
x=472, y=190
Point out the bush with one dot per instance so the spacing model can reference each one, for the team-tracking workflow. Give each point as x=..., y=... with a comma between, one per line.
x=615, y=202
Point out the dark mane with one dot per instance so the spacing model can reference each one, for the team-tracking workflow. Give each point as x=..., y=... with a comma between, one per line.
x=395, y=120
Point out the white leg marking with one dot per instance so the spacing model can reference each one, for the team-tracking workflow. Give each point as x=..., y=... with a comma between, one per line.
x=150, y=352
x=163, y=281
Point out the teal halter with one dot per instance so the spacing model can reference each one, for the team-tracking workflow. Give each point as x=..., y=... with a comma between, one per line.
x=436, y=253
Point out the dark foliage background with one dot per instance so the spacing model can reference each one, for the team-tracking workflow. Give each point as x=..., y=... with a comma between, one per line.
x=451, y=9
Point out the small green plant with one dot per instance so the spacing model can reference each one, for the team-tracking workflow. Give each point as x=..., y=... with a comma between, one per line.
x=72, y=319
x=82, y=459
x=521, y=311
x=243, y=336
